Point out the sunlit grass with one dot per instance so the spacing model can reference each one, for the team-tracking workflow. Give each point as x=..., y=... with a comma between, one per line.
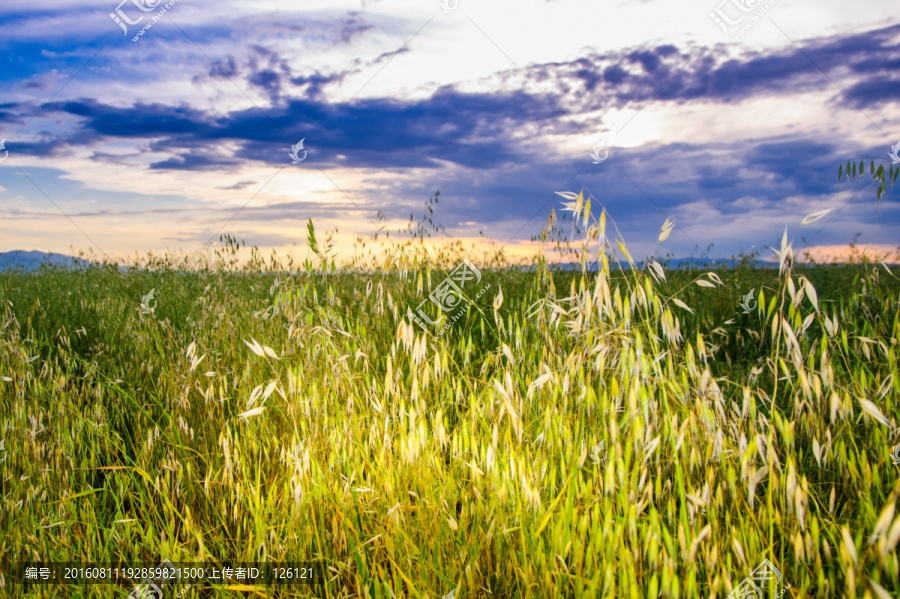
x=248, y=413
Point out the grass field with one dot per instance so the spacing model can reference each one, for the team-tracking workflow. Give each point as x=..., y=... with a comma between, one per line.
x=573, y=434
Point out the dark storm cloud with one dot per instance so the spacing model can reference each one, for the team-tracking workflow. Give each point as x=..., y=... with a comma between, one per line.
x=139, y=120
x=484, y=133
x=478, y=129
x=615, y=78
x=225, y=67
x=373, y=133
x=193, y=162
x=314, y=85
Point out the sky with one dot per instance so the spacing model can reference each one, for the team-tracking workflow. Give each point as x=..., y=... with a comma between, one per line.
x=729, y=117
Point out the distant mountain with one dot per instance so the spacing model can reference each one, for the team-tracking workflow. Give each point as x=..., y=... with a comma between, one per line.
x=29, y=261
x=713, y=263
x=697, y=263
x=673, y=264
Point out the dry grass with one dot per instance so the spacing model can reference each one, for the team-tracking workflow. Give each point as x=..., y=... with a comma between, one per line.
x=246, y=414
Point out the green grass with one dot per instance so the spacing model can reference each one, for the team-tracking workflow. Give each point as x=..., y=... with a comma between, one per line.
x=427, y=463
